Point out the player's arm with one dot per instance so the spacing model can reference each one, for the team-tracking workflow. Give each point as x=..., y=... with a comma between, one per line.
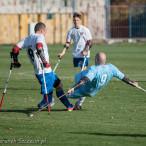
x=128, y=81
x=66, y=46
x=82, y=82
x=40, y=51
x=88, y=47
x=15, y=53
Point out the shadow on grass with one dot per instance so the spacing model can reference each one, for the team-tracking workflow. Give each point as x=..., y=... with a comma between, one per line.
x=27, y=89
x=110, y=134
x=25, y=111
x=28, y=111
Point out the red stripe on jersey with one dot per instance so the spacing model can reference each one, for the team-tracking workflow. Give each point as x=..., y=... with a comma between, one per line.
x=39, y=45
x=89, y=41
x=68, y=43
x=15, y=49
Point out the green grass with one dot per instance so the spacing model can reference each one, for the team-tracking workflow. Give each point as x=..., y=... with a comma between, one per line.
x=115, y=116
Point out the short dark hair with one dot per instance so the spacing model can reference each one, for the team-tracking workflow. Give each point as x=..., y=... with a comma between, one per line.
x=77, y=15
x=39, y=26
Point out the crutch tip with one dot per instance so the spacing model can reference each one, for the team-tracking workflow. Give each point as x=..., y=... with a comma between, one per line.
x=31, y=115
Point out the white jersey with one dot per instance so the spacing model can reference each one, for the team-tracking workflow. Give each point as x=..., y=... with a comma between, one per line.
x=80, y=37
x=29, y=43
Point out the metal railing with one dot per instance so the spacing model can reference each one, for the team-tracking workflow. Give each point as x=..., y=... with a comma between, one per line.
x=125, y=21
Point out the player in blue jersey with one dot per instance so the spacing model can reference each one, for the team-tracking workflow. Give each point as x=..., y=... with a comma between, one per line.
x=92, y=80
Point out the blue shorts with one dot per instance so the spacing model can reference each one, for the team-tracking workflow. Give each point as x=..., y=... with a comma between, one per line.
x=78, y=62
x=50, y=79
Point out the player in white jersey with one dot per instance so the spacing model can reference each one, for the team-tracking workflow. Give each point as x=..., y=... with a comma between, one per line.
x=92, y=80
x=35, y=45
x=82, y=44
x=81, y=37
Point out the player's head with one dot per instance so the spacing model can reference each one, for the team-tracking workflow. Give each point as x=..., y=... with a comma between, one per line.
x=77, y=19
x=40, y=28
x=100, y=59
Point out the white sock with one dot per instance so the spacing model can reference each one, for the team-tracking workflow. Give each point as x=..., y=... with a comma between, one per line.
x=81, y=100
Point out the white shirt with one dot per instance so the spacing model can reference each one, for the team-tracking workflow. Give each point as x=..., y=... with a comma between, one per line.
x=80, y=37
x=29, y=43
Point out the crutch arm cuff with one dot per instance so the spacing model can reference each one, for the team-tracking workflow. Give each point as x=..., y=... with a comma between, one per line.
x=82, y=82
x=66, y=46
x=46, y=64
x=128, y=81
x=88, y=45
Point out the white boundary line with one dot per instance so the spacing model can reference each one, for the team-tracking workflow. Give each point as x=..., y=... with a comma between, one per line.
x=31, y=74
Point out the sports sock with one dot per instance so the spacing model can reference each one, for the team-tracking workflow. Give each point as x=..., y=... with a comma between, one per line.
x=49, y=97
x=64, y=100
x=81, y=100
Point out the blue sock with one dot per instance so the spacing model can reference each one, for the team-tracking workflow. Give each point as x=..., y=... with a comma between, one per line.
x=64, y=100
x=49, y=98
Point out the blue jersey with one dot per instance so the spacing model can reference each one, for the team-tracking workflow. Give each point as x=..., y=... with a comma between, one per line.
x=99, y=76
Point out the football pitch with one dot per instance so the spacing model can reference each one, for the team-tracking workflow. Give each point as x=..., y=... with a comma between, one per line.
x=115, y=116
